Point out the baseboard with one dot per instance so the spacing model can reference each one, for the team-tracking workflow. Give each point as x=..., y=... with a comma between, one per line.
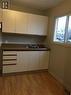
x=55, y=77
x=67, y=92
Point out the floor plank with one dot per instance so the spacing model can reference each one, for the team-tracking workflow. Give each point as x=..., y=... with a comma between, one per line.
x=41, y=83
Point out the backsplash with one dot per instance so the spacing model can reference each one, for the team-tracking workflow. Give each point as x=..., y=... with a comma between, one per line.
x=23, y=39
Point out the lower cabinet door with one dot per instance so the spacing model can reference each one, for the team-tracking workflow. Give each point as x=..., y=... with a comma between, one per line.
x=44, y=59
x=22, y=61
x=34, y=60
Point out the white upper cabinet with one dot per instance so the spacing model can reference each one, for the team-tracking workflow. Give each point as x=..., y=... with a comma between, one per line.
x=21, y=23
x=9, y=21
x=24, y=23
x=37, y=24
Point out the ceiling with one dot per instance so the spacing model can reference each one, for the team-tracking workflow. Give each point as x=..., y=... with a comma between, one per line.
x=38, y=4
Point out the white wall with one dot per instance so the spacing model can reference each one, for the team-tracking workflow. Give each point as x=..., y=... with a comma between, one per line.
x=60, y=56
x=25, y=8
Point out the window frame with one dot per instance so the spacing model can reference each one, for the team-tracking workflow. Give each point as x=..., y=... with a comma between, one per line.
x=65, y=42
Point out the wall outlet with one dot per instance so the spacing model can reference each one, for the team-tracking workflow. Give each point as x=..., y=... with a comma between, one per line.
x=6, y=41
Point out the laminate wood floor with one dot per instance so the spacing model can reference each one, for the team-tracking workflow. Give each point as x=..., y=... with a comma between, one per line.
x=41, y=83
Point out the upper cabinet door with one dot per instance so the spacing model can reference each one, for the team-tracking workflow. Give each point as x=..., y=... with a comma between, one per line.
x=9, y=21
x=0, y=15
x=37, y=24
x=21, y=23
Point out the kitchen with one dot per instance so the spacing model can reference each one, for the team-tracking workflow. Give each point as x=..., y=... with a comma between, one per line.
x=27, y=41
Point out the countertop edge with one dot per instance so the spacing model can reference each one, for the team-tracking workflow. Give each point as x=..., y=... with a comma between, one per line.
x=13, y=49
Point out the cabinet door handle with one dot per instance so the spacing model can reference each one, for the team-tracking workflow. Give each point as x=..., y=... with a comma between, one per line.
x=9, y=64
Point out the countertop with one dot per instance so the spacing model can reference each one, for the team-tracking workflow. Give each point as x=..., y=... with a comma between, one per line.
x=22, y=47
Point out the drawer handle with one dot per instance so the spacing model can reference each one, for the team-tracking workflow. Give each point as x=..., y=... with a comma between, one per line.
x=9, y=64
x=9, y=55
x=9, y=59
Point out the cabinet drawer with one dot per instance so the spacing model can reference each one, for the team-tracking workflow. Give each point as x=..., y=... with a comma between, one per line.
x=9, y=69
x=9, y=57
x=9, y=62
x=14, y=68
x=9, y=53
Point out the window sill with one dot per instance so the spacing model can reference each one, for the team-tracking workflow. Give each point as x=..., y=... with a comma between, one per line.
x=66, y=45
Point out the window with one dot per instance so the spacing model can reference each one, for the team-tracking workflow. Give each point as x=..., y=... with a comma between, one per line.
x=62, y=31
x=69, y=30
